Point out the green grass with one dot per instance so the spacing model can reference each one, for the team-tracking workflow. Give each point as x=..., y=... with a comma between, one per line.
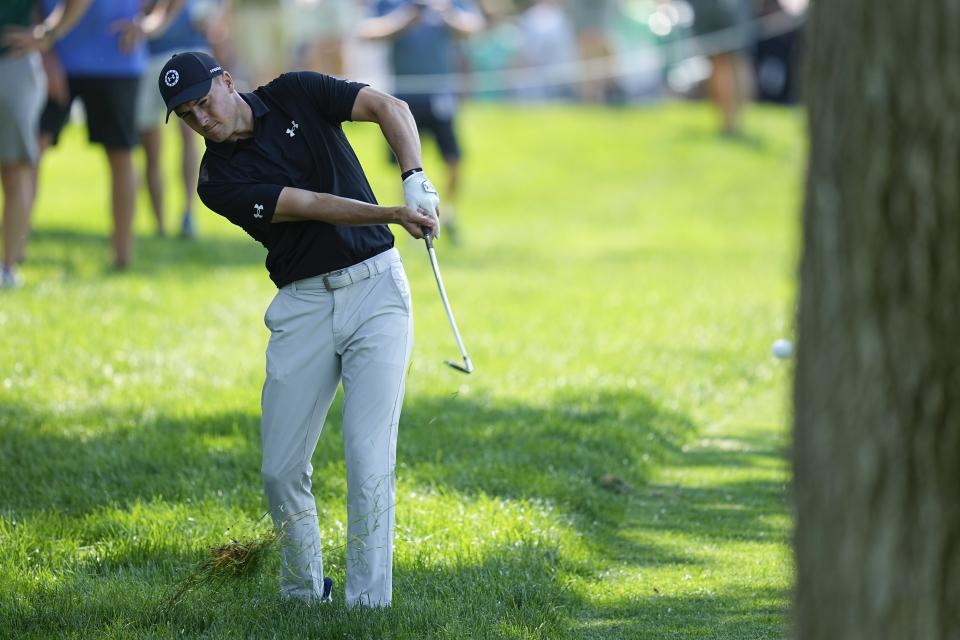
x=615, y=468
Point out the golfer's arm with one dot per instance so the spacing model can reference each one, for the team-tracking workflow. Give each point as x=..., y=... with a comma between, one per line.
x=297, y=205
x=396, y=122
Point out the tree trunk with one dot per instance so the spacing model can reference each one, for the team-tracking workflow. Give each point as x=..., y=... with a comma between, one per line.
x=877, y=390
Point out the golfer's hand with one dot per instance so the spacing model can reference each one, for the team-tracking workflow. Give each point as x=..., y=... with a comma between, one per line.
x=420, y=195
x=415, y=222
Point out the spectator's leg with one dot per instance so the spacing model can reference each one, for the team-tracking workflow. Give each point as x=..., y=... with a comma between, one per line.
x=190, y=167
x=17, y=183
x=152, y=139
x=123, y=181
x=724, y=90
x=449, y=202
x=444, y=130
x=44, y=141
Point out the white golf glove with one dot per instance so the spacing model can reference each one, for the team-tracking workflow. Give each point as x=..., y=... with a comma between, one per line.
x=420, y=195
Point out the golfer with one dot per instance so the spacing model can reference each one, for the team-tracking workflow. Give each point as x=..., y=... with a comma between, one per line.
x=278, y=165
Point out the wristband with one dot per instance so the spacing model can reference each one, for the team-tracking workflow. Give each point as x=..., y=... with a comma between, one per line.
x=410, y=172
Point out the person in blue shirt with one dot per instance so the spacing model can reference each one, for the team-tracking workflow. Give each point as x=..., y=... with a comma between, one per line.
x=423, y=38
x=100, y=61
x=187, y=32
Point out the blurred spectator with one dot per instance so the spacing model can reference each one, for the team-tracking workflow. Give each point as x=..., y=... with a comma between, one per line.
x=187, y=32
x=219, y=36
x=725, y=30
x=22, y=95
x=492, y=52
x=548, y=42
x=423, y=36
x=100, y=61
x=777, y=57
x=305, y=34
x=318, y=29
x=640, y=61
x=592, y=20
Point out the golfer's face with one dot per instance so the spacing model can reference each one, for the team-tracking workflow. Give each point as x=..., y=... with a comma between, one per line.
x=208, y=115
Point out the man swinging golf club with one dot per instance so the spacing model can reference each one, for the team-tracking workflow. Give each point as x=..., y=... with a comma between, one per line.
x=278, y=165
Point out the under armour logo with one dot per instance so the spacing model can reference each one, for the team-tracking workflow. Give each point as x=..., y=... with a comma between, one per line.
x=258, y=211
x=292, y=131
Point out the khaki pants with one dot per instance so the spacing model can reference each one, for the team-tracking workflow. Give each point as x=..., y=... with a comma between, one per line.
x=360, y=334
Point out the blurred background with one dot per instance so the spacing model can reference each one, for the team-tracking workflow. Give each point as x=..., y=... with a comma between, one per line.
x=607, y=51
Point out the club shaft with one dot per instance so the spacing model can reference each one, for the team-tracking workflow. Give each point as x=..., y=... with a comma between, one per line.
x=446, y=305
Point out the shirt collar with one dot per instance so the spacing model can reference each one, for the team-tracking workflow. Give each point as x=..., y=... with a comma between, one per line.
x=259, y=108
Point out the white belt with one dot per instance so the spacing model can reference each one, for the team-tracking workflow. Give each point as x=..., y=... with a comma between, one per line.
x=349, y=275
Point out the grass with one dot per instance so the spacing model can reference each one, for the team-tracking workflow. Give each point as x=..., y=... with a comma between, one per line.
x=615, y=468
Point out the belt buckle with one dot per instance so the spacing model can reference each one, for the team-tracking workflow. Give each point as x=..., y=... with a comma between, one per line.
x=327, y=279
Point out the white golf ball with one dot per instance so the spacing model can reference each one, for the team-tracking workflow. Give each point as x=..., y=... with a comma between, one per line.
x=782, y=349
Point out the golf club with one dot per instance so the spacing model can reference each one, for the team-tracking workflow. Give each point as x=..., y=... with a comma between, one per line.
x=467, y=366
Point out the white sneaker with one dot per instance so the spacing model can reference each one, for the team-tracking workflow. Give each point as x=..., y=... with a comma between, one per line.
x=10, y=278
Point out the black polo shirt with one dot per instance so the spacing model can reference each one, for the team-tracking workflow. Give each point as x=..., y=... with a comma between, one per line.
x=298, y=141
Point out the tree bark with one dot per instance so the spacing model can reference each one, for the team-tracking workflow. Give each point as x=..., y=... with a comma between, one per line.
x=876, y=449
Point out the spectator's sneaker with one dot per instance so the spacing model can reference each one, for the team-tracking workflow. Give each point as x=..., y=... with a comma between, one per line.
x=187, y=227
x=10, y=278
x=327, y=590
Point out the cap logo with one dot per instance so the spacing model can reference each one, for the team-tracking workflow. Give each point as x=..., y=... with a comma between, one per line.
x=215, y=69
x=171, y=77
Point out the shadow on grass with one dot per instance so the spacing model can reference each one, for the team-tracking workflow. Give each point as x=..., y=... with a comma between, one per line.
x=757, y=614
x=742, y=451
x=512, y=592
x=743, y=511
x=73, y=252
x=61, y=465
x=75, y=463
x=589, y=457
x=557, y=452
x=560, y=453
x=710, y=136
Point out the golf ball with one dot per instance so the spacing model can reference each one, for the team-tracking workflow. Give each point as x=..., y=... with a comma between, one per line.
x=782, y=349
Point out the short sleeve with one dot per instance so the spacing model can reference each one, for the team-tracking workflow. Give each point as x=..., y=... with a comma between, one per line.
x=333, y=98
x=246, y=205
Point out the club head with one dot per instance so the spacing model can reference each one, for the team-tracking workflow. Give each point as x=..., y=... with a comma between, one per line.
x=466, y=367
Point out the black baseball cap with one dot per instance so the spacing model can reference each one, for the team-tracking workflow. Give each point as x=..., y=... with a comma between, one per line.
x=187, y=76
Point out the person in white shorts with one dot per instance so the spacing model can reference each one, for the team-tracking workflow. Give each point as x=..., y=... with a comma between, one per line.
x=279, y=165
x=23, y=92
